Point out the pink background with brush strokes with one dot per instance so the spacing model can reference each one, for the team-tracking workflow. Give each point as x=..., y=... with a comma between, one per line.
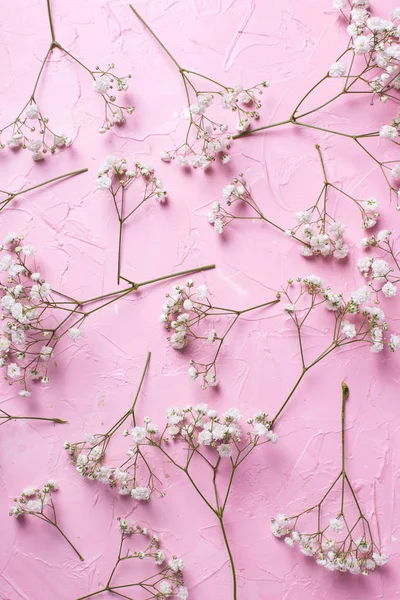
x=74, y=230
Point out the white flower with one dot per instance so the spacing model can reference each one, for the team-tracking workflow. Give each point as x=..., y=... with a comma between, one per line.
x=104, y=182
x=193, y=373
x=388, y=132
x=15, y=141
x=32, y=112
x=212, y=336
x=46, y=352
x=183, y=593
x=336, y=525
x=176, y=564
x=62, y=140
x=339, y=4
x=364, y=264
x=75, y=333
x=363, y=44
x=140, y=493
x=201, y=292
x=394, y=342
x=289, y=308
x=303, y=217
x=138, y=434
x=13, y=371
x=389, y=290
x=165, y=156
x=361, y=295
x=338, y=69
x=101, y=85
x=5, y=262
x=380, y=559
x=225, y=450
x=383, y=235
x=165, y=588
x=349, y=330
x=380, y=268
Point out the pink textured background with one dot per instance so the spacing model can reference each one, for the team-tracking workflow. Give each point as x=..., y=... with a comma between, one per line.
x=74, y=230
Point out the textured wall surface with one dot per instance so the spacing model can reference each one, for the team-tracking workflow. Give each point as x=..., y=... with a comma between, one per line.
x=74, y=229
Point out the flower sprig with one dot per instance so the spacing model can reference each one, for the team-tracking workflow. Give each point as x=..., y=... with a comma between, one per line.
x=6, y=417
x=31, y=130
x=355, y=321
x=135, y=475
x=115, y=176
x=38, y=502
x=196, y=435
x=185, y=310
x=29, y=306
x=167, y=580
x=343, y=543
x=207, y=137
x=382, y=275
x=367, y=68
x=317, y=231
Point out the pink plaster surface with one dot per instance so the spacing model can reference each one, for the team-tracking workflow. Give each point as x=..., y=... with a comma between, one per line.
x=74, y=229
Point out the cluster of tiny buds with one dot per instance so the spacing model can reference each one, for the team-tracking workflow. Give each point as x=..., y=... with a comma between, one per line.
x=32, y=500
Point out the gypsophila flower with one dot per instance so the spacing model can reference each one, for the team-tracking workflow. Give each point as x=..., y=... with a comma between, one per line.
x=186, y=309
x=38, y=502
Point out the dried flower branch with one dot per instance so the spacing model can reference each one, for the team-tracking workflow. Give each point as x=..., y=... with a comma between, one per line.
x=184, y=310
x=31, y=120
x=5, y=418
x=12, y=195
x=30, y=308
x=371, y=70
x=166, y=582
x=355, y=322
x=39, y=503
x=206, y=138
x=382, y=276
x=343, y=544
x=135, y=475
x=216, y=442
x=115, y=176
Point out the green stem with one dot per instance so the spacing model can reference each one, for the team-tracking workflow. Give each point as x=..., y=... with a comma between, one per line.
x=53, y=37
x=13, y=417
x=140, y=386
x=70, y=543
x=156, y=38
x=39, y=185
x=221, y=522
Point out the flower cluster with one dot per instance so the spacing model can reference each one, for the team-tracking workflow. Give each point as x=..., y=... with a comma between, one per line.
x=329, y=550
x=165, y=582
x=382, y=276
x=30, y=130
x=343, y=543
x=317, y=231
x=39, y=503
x=134, y=476
x=206, y=138
x=106, y=84
x=185, y=309
x=115, y=176
x=28, y=339
x=200, y=426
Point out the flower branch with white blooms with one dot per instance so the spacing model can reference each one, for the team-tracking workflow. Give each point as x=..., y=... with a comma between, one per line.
x=207, y=138
x=317, y=231
x=355, y=321
x=167, y=579
x=115, y=176
x=31, y=129
x=344, y=543
x=30, y=308
x=185, y=310
x=36, y=502
x=382, y=276
x=134, y=476
x=369, y=68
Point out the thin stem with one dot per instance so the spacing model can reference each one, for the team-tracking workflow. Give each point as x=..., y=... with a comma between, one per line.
x=140, y=385
x=22, y=418
x=39, y=185
x=221, y=522
x=156, y=38
x=53, y=37
x=69, y=542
